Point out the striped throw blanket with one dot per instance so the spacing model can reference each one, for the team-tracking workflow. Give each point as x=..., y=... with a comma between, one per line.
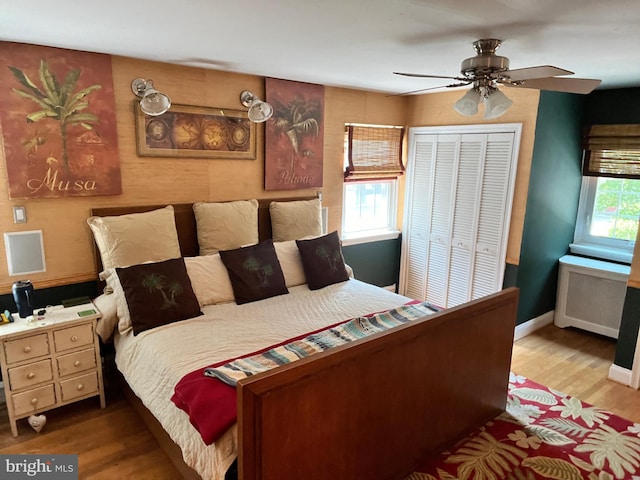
x=354, y=329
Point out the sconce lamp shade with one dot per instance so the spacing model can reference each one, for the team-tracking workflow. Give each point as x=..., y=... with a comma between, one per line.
x=259, y=111
x=153, y=102
x=468, y=104
x=496, y=104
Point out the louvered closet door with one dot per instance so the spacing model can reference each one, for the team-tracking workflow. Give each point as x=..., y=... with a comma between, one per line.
x=459, y=193
x=417, y=214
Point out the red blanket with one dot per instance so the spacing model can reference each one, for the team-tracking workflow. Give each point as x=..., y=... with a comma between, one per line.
x=212, y=404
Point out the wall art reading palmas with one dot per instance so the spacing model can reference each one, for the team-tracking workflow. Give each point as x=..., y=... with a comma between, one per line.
x=294, y=135
x=57, y=112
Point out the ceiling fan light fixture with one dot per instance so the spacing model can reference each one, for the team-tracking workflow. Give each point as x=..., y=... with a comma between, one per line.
x=152, y=101
x=259, y=111
x=468, y=104
x=496, y=104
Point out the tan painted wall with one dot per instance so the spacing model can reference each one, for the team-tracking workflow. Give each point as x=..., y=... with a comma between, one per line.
x=145, y=180
x=437, y=109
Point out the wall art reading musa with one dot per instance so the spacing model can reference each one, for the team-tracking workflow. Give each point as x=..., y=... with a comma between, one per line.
x=57, y=113
x=294, y=135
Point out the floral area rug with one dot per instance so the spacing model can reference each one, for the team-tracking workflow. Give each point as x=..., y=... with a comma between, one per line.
x=543, y=434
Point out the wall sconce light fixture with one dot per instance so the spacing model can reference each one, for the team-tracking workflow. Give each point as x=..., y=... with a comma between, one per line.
x=152, y=101
x=259, y=111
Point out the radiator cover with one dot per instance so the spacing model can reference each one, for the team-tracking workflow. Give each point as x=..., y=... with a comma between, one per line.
x=591, y=295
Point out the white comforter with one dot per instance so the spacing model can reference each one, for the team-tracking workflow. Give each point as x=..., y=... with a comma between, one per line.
x=155, y=360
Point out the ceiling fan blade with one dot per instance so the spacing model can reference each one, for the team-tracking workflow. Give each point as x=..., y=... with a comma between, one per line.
x=421, y=75
x=453, y=85
x=568, y=85
x=543, y=71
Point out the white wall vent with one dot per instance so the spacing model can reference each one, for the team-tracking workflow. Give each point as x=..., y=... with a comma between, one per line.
x=591, y=295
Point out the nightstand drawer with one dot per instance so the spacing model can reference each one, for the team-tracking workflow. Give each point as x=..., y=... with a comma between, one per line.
x=73, y=337
x=26, y=348
x=34, y=401
x=79, y=386
x=76, y=362
x=32, y=374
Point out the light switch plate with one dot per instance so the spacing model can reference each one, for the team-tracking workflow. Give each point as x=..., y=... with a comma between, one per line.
x=19, y=214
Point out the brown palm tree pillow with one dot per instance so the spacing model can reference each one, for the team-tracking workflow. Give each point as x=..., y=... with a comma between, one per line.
x=158, y=294
x=322, y=261
x=255, y=272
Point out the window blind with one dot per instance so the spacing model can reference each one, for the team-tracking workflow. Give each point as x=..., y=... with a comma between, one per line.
x=373, y=152
x=612, y=151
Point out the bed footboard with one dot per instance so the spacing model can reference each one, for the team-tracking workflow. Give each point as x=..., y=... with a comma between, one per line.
x=380, y=406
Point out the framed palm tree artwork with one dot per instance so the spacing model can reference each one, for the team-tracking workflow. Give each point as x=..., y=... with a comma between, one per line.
x=294, y=135
x=57, y=113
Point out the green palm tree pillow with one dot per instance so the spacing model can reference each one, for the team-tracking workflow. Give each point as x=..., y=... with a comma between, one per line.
x=255, y=272
x=158, y=294
x=322, y=261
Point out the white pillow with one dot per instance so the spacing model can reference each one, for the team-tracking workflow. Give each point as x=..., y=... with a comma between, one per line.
x=226, y=225
x=122, y=309
x=209, y=279
x=295, y=220
x=135, y=238
x=106, y=305
x=290, y=262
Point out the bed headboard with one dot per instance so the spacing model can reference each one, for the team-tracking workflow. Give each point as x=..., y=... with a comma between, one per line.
x=186, y=222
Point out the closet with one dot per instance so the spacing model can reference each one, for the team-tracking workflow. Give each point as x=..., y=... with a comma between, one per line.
x=458, y=196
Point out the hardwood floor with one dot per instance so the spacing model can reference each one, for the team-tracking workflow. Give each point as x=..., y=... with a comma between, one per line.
x=576, y=363
x=115, y=443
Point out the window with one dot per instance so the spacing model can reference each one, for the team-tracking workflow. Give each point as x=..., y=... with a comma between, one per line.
x=372, y=161
x=608, y=216
x=609, y=210
x=369, y=207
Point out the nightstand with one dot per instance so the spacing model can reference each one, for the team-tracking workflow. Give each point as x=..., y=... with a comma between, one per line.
x=52, y=361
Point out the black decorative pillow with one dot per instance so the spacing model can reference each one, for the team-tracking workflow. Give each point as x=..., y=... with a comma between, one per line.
x=158, y=294
x=322, y=261
x=255, y=272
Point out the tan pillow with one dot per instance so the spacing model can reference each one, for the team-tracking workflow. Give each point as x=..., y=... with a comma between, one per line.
x=135, y=238
x=226, y=225
x=209, y=279
x=295, y=220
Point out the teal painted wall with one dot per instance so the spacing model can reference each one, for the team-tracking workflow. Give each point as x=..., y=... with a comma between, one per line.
x=377, y=263
x=626, y=346
x=552, y=202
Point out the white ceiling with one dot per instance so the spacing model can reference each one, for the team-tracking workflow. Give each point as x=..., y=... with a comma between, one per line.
x=349, y=43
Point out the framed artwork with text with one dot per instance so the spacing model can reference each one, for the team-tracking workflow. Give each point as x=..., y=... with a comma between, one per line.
x=294, y=135
x=58, y=122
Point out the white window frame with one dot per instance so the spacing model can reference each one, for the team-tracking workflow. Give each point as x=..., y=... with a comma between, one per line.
x=386, y=233
x=599, y=247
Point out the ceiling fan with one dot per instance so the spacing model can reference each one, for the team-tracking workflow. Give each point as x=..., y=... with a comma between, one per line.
x=487, y=70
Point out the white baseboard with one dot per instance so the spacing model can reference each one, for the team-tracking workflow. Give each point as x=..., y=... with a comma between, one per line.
x=532, y=325
x=620, y=374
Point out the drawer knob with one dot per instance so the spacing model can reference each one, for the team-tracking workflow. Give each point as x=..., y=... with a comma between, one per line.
x=27, y=349
x=76, y=363
x=80, y=387
x=34, y=401
x=31, y=375
x=74, y=338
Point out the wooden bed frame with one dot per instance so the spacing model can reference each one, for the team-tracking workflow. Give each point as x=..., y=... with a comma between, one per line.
x=375, y=408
